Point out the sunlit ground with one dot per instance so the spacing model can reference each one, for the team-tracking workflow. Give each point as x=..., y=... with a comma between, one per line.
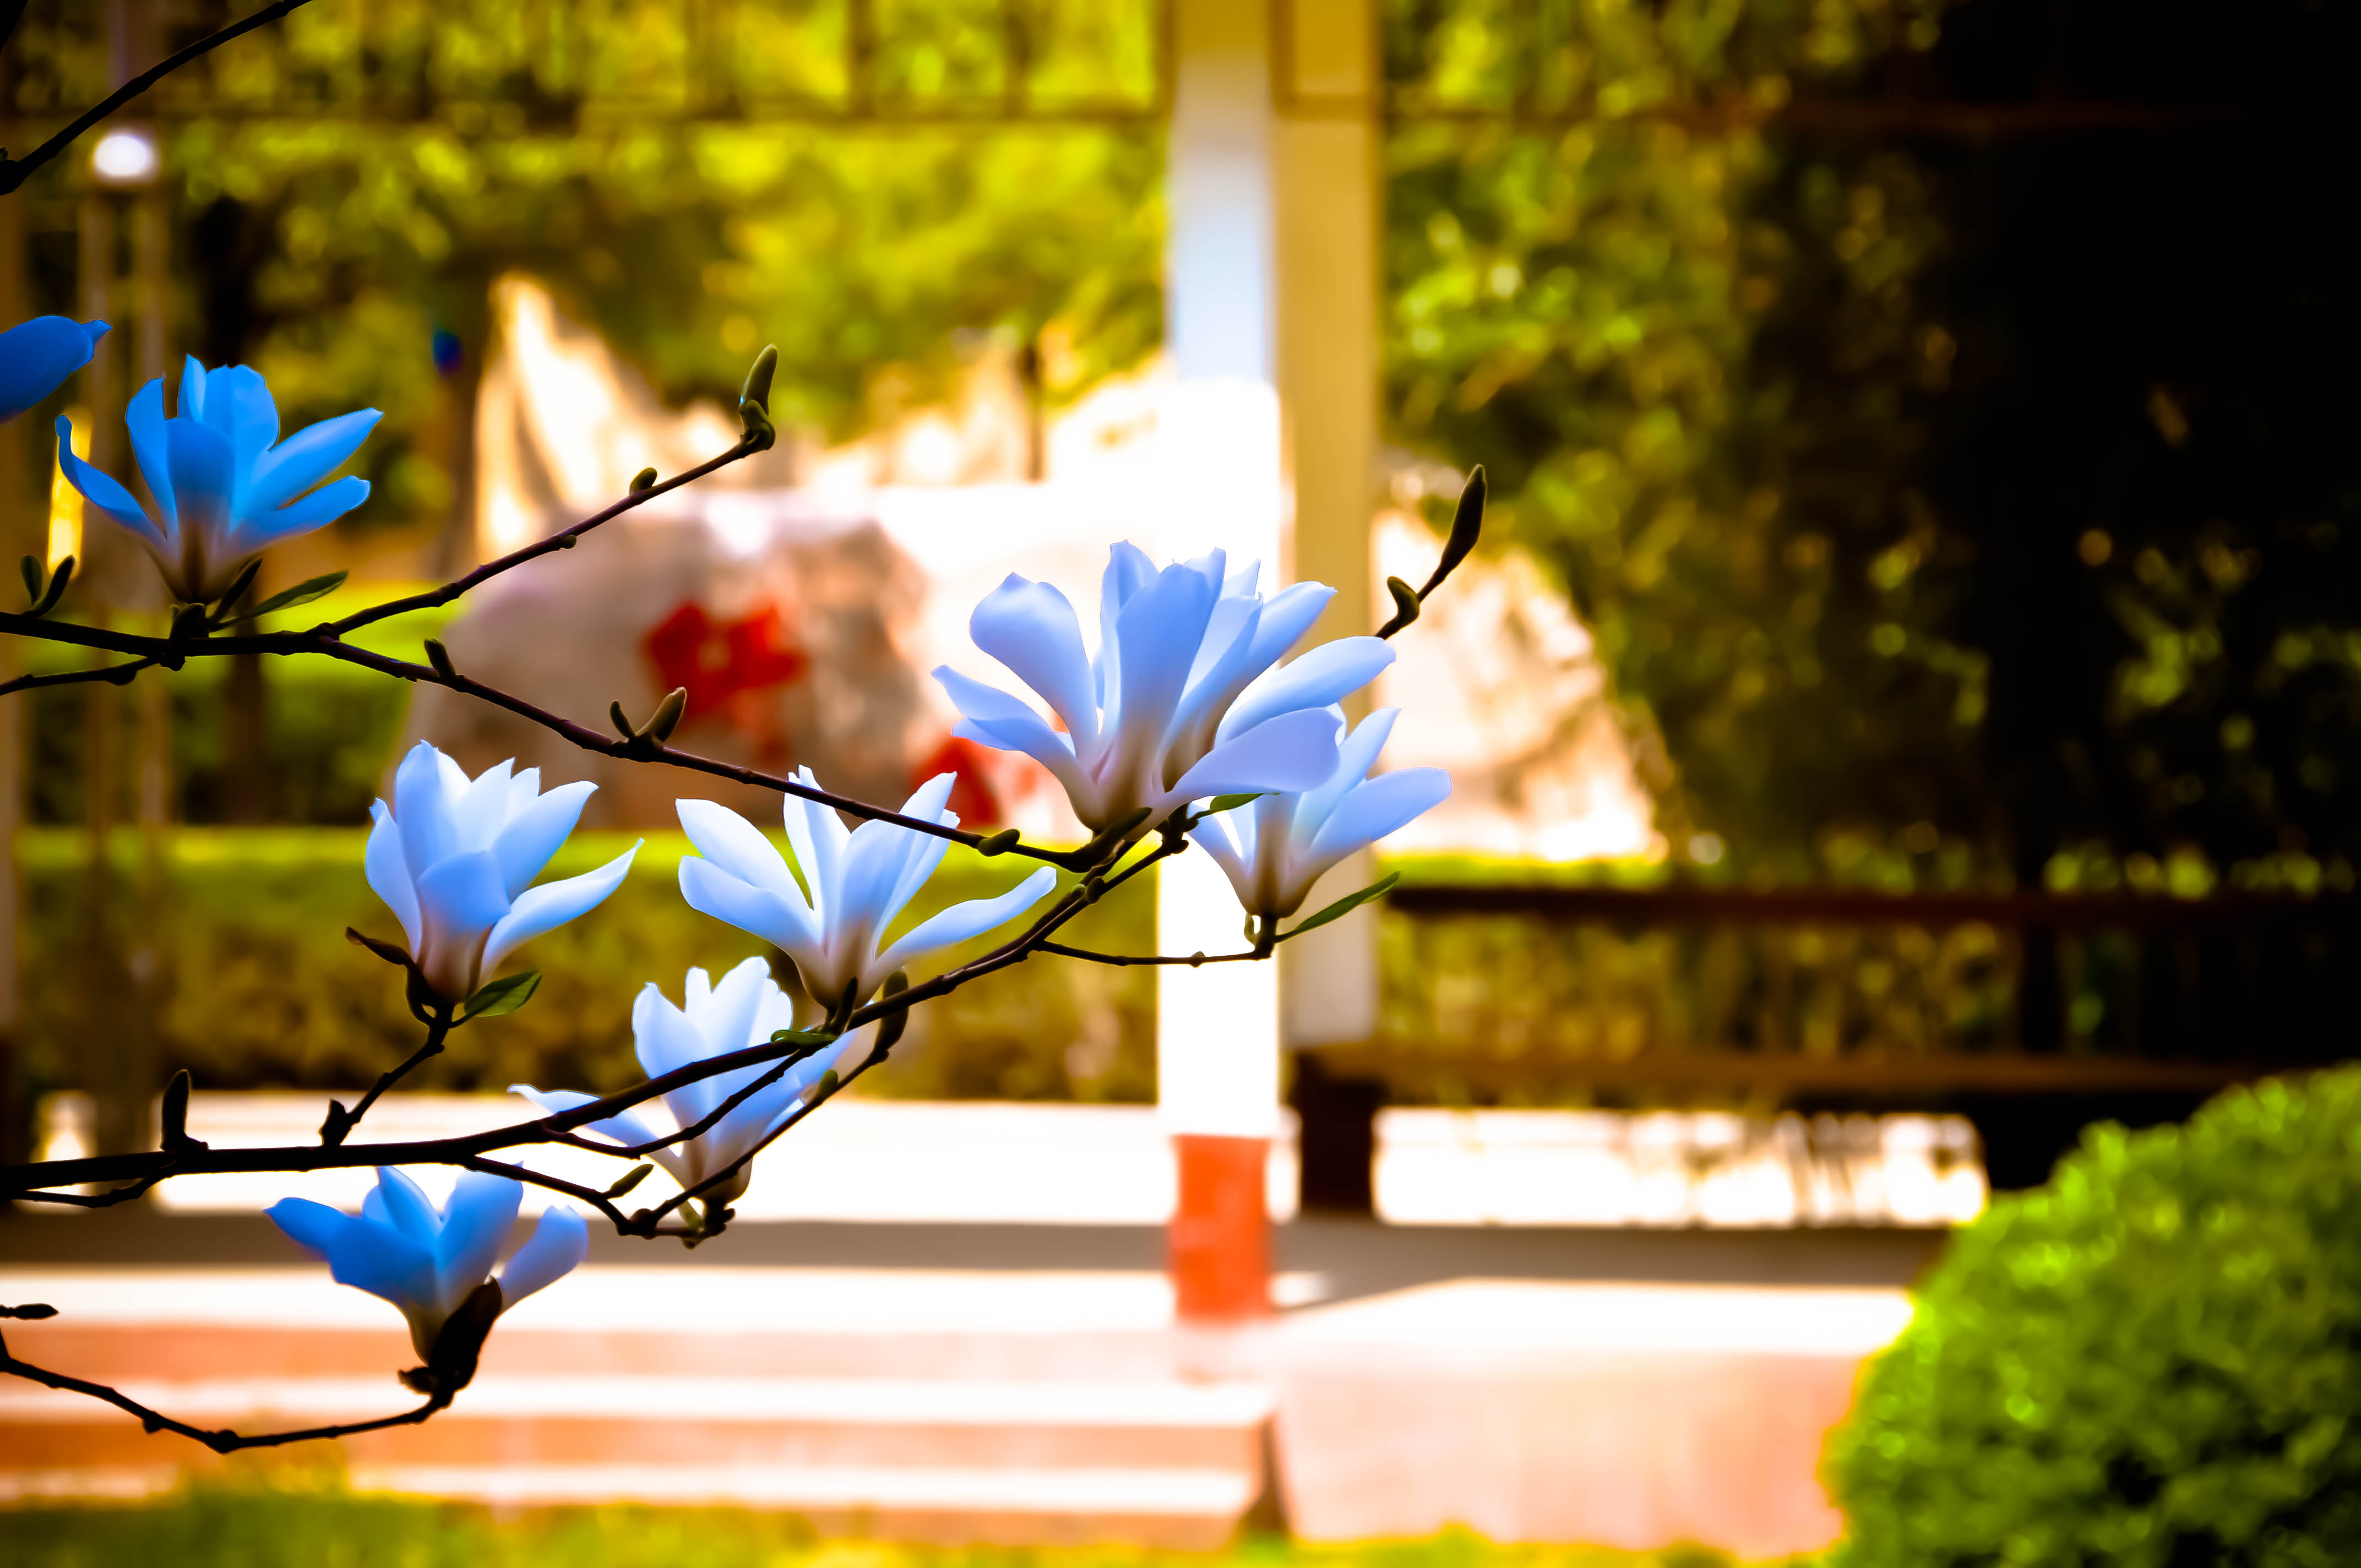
x=251, y=1523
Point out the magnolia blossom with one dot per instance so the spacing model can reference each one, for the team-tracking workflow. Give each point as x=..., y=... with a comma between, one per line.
x=744, y=1010
x=452, y=858
x=1276, y=848
x=1181, y=700
x=226, y=485
x=859, y=882
x=427, y=1261
x=35, y=357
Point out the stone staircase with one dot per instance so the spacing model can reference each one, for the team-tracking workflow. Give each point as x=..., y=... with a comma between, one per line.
x=929, y=1405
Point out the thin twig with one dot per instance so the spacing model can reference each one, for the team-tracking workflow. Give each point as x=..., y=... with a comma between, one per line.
x=220, y=1441
x=1123, y=961
x=14, y=172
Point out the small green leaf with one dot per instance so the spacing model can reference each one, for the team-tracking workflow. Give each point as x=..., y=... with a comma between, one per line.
x=643, y=480
x=1346, y=904
x=1405, y=606
x=505, y=994
x=800, y=1036
x=31, y=566
x=1221, y=803
x=57, y=588
x=302, y=593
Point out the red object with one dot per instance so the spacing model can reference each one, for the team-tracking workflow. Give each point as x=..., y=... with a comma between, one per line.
x=1219, y=1241
x=972, y=795
x=715, y=661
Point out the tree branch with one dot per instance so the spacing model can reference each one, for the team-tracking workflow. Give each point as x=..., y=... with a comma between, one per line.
x=14, y=172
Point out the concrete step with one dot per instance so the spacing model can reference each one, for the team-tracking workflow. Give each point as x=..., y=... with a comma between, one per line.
x=950, y=1407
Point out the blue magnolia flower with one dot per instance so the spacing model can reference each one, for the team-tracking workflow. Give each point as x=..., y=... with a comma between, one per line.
x=427, y=1261
x=744, y=1010
x=1284, y=842
x=859, y=882
x=1181, y=701
x=35, y=357
x=226, y=485
x=452, y=858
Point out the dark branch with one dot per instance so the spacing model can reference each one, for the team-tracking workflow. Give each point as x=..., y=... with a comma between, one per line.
x=14, y=172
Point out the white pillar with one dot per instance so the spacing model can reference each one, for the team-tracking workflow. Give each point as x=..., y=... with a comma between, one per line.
x=1217, y=1028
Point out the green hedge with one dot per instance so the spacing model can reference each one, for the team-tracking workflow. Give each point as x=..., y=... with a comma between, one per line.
x=2155, y=1361
x=255, y=985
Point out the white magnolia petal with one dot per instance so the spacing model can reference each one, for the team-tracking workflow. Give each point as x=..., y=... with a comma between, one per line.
x=556, y=1247
x=756, y=911
x=1031, y=627
x=1213, y=836
x=1381, y=806
x=481, y=808
x=1323, y=676
x=961, y=921
x=37, y=356
x=1158, y=633
x=622, y=1126
x=1355, y=758
x=389, y=873
x=144, y=419
x=552, y=904
x=307, y=457
x=422, y=811
x=192, y=403
x=101, y=490
x=203, y=466
x=460, y=902
x=311, y=1227
x=1286, y=617
x=385, y=1263
x=1294, y=751
x=476, y=1226
x=738, y=846
x=258, y=530
x=992, y=718
x=401, y=1204
x=239, y=392
x=532, y=835
x=926, y=852
x=819, y=837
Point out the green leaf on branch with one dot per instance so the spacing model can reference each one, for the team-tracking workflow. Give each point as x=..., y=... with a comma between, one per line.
x=800, y=1036
x=629, y=1180
x=1346, y=904
x=505, y=994
x=288, y=598
x=1221, y=803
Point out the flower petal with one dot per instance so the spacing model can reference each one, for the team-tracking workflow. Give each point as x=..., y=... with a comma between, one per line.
x=459, y=902
x=1157, y=635
x=622, y=1126
x=556, y=1247
x=1128, y=570
x=995, y=719
x=397, y=1203
x=1031, y=627
x=384, y=1262
x=259, y=531
x=1379, y=807
x=1355, y=758
x=552, y=904
x=238, y=403
x=737, y=847
x=101, y=490
x=1294, y=751
x=961, y=921
x=1322, y=675
x=311, y=1227
x=1286, y=617
x=756, y=911
x=422, y=810
x=819, y=837
x=533, y=834
x=152, y=450
x=305, y=458
x=389, y=872
x=203, y=466
x=924, y=851
x=35, y=357
x=476, y=1226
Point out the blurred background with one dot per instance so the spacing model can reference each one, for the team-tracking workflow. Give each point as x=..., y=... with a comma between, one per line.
x=1904, y=711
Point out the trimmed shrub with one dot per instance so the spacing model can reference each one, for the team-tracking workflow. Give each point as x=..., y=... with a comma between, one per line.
x=2154, y=1361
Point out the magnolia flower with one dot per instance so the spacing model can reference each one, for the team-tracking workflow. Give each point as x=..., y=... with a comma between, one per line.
x=1285, y=841
x=452, y=857
x=860, y=880
x=1181, y=701
x=744, y=1010
x=37, y=356
x=400, y=1248
x=224, y=491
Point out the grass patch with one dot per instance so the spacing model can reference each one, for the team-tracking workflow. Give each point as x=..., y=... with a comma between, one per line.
x=290, y=1524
